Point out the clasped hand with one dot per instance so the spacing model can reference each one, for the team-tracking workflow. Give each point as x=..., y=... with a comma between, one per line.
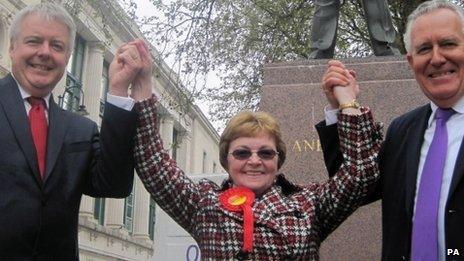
x=339, y=84
x=132, y=66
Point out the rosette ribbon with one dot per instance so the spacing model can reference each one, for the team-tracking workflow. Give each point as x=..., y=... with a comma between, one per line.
x=240, y=199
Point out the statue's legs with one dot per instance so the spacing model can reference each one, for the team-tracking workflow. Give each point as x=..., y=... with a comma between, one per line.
x=384, y=48
x=324, y=29
x=380, y=26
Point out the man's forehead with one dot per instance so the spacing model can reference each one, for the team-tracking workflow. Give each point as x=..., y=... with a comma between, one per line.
x=435, y=16
x=432, y=23
x=42, y=18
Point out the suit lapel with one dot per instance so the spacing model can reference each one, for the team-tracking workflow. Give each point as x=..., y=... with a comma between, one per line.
x=57, y=125
x=414, y=139
x=13, y=106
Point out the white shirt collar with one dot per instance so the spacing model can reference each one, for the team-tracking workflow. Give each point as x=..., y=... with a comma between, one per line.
x=458, y=107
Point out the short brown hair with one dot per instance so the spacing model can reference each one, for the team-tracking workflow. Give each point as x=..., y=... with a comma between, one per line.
x=250, y=124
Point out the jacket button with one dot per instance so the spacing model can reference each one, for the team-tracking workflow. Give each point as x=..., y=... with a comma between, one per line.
x=297, y=214
x=403, y=258
x=451, y=211
x=243, y=255
x=289, y=257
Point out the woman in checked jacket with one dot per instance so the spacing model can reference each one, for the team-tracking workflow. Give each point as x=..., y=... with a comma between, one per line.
x=257, y=214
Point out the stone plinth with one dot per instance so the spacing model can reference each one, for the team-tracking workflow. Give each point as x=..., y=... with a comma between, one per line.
x=292, y=93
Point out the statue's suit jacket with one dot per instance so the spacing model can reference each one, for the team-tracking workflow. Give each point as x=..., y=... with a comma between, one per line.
x=399, y=161
x=39, y=217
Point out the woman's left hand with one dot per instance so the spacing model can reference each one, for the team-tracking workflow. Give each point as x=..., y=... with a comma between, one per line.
x=349, y=92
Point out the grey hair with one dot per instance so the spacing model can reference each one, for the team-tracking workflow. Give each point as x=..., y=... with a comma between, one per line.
x=425, y=8
x=48, y=11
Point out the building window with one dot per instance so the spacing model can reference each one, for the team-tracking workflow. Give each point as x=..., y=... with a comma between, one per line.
x=214, y=167
x=73, y=90
x=99, y=210
x=76, y=61
x=129, y=211
x=204, y=162
x=104, y=86
x=175, y=143
x=152, y=219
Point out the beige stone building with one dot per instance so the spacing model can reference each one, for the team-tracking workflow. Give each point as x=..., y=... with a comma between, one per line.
x=120, y=229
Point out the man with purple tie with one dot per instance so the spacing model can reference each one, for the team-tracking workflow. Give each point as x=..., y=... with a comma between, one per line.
x=422, y=157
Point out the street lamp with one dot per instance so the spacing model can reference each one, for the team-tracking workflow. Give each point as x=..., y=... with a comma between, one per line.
x=69, y=95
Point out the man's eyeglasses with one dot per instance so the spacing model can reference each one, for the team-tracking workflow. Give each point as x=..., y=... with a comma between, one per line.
x=264, y=154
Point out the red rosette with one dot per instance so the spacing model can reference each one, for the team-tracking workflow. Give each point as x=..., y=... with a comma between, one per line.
x=240, y=199
x=233, y=198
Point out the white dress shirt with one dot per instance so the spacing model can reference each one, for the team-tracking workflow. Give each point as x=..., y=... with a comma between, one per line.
x=455, y=136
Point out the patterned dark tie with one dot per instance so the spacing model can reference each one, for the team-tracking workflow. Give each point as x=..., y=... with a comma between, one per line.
x=39, y=126
x=425, y=224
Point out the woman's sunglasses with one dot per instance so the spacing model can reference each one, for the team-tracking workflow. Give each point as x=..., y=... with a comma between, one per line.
x=264, y=154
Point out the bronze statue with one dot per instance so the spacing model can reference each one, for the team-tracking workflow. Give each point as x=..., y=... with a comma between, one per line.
x=325, y=23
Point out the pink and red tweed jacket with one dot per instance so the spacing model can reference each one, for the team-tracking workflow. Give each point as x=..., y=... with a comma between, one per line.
x=290, y=221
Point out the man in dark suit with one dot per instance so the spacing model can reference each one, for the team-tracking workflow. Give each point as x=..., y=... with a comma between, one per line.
x=422, y=157
x=49, y=157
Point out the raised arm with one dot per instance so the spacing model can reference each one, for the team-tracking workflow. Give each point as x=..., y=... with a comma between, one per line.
x=172, y=190
x=358, y=175
x=335, y=77
x=360, y=141
x=112, y=167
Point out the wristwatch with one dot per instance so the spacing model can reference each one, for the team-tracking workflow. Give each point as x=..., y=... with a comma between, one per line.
x=352, y=104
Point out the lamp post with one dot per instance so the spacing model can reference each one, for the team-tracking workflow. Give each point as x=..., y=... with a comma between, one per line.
x=69, y=95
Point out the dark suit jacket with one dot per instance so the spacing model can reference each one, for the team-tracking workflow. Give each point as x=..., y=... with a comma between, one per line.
x=39, y=218
x=398, y=164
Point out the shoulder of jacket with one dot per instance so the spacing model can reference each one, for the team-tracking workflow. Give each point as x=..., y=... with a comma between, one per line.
x=410, y=117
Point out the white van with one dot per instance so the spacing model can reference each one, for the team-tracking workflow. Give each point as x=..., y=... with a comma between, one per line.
x=171, y=241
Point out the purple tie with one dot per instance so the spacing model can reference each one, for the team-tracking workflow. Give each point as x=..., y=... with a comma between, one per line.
x=425, y=226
